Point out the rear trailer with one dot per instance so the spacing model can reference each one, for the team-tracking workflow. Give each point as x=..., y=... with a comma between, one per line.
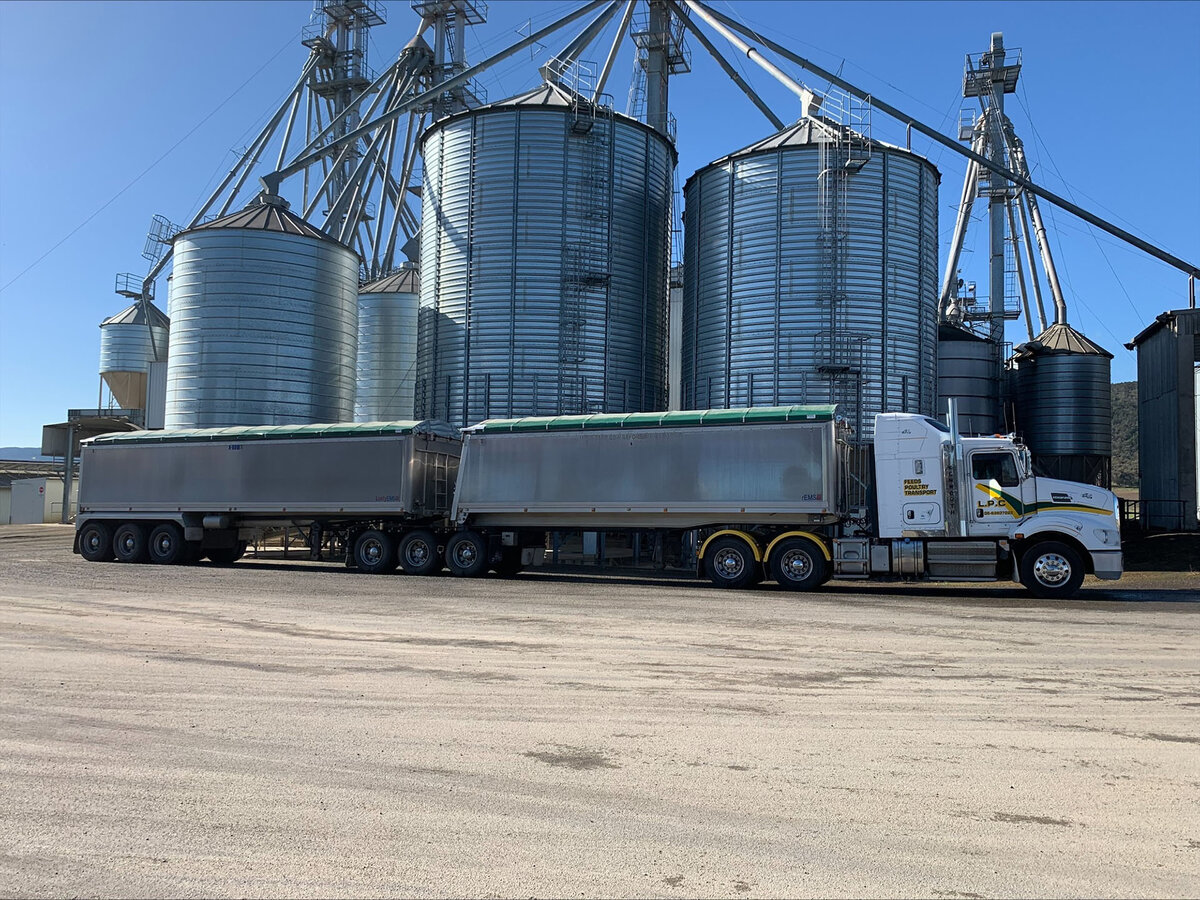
x=175, y=496
x=744, y=479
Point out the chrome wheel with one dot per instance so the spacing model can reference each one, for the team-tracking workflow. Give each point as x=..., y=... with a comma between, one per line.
x=1051, y=569
x=729, y=562
x=796, y=564
x=372, y=551
x=465, y=554
x=417, y=554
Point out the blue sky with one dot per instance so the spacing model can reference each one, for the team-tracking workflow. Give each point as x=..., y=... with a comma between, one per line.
x=113, y=112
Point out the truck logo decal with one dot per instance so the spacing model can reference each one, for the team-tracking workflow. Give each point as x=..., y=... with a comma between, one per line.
x=1018, y=509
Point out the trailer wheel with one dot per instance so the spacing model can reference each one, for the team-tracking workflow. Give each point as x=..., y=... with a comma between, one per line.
x=1051, y=570
x=227, y=556
x=419, y=553
x=730, y=563
x=798, y=564
x=167, y=546
x=96, y=542
x=129, y=542
x=467, y=554
x=375, y=552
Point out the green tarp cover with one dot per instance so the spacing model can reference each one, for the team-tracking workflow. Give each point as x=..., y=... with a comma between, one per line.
x=755, y=415
x=277, y=432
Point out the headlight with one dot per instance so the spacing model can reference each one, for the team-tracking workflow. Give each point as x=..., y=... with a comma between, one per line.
x=1107, y=536
x=1116, y=507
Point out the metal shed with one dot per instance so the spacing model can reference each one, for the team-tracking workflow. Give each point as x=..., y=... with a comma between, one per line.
x=1168, y=360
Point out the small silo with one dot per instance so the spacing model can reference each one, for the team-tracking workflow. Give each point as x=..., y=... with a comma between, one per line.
x=264, y=314
x=129, y=342
x=387, y=346
x=969, y=371
x=544, y=255
x=810, y=276
x=1062, y=396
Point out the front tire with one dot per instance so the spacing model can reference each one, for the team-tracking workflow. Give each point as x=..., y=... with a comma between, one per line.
x=798, y=564
x=730, y=563
x=1051, y=570
x=375, y=552
x=129, y=543
x=419, y=553
x=467, y=554
x=167, y=547
x=96, y=542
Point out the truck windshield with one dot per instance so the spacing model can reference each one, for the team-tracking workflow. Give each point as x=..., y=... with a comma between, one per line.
x=938, y=425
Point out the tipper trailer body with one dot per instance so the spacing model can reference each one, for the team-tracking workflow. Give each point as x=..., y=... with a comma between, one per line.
x=166, y=496
x=766, y=491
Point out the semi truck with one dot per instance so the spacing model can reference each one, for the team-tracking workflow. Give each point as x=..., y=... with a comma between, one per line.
x=766, y=492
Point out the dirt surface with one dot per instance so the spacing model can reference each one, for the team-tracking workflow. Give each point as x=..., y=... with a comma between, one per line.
x=297, y=729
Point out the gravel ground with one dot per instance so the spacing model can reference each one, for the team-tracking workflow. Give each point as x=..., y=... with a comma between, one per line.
x=296, y=729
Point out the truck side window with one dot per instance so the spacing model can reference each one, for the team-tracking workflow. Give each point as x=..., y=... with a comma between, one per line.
x=999, y=467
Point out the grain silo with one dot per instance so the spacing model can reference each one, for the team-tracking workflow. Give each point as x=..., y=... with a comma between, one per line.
x=129, y=342
x=810, y=276
x=544, y=258
x=264, y=313
x=1062, y=396
x=387, y=346
x=969, y=371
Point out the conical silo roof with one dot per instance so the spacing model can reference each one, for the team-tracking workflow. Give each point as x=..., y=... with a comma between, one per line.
x=545, y=94
x=1061, y=339
x=810, y=131
x=406, y=280
x=137, y=314
x=265, y=213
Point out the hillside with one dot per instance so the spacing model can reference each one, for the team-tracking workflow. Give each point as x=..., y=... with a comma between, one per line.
x=22, y=453
x=1124, y=434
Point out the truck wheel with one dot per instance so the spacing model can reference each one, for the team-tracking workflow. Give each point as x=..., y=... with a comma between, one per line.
x=227, y=556
x=467, y=554
x=96, y=542
x=419, y=553
x=129, y=542
x=375, y=552
x=1052, y=570
x=730, y=563
x=798, y=564
x=167, y=545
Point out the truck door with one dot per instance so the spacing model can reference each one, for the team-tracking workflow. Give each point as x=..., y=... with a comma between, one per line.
x=997, y=498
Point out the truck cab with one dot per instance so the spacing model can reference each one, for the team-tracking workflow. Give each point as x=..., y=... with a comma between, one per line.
x=978, y=499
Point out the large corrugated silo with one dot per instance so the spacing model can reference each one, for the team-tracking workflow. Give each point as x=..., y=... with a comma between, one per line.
x=810, y=276
x=387, y=346
x=544, y=258
x=1062, y=396
x=264, y=316
x=129, y=342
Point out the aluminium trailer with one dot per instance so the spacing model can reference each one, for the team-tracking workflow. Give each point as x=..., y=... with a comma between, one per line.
x=776, y=471
x=176, y=496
